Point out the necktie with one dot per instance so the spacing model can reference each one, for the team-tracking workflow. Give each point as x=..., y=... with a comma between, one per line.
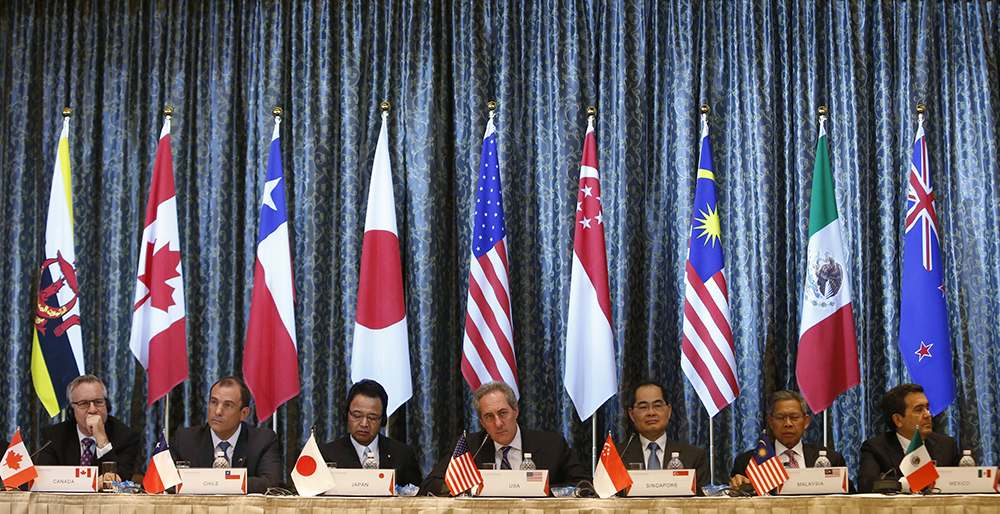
x=224, y=447
x=792, y=463
x=87, y=457
x=505, y=464
x=654, y=461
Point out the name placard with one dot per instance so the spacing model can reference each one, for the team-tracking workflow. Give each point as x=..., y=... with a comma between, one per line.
x=815, y=481
x=967, y=480
x=65, y=479
x=213, y=481
x=514, y=483
x=662, y=482
x=362, y=482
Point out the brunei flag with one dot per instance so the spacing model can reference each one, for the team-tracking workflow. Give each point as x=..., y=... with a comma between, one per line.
x=57, y=349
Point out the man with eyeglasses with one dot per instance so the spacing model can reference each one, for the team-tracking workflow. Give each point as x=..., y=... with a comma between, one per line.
x=91, y=437
x=365, y=416
x=649, y=413
x=496, y=407
x=227, y=435
x=787, y=419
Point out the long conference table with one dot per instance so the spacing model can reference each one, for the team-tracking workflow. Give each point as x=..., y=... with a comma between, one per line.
x=18, y=502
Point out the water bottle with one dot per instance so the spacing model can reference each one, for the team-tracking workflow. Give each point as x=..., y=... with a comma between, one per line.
x=675, y=461
x=967, y=460
x=527, y=463
x=220, y=462
x=822, y=461
x=370, y=461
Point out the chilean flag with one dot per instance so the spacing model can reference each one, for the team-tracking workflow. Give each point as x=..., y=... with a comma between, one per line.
x=159, y=338
x=381, y=341
x=270, y=358
x=162, y=473
x=589, y=373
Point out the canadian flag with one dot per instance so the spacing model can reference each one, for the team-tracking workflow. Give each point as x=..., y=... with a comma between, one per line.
x=311, y=476
x=159, y=339
x=589, y=372
x=381, y=342
x=610, y=475
x=16, y=467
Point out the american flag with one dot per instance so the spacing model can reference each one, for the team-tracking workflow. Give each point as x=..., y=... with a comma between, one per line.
x=534, y=476
x=764, y=469
x=707, y=355
x=488, y=347
x=462, y=474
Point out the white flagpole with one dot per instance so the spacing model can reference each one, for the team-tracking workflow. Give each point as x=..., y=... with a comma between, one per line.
x=711, y=447
x=166, y=414
x=593, y=453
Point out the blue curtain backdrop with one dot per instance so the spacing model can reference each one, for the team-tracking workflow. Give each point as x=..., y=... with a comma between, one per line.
x=763, y=67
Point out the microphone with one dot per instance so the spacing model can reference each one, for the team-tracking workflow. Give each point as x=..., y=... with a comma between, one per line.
x=33, y=455
x=887, y=486
x=630, y=437
x=747, y=489
x=487, y=438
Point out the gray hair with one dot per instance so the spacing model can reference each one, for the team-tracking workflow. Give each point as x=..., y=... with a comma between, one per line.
x=786, y=395
x=489, y=387
x=84, y=379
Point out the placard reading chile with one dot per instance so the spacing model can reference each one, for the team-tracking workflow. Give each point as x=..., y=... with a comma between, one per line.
x=662, y=482
x=213, y=481
x=362, y=482
x=815, y=481
x=65, y=479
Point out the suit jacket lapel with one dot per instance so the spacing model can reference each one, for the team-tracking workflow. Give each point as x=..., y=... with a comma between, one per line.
x=384, y=456
x=810, y=453
x=239, y=453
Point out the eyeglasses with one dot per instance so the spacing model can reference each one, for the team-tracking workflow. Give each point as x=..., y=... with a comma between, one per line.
x=794, y=418
x=641, y=408
x=85, y=404
x=357, y=416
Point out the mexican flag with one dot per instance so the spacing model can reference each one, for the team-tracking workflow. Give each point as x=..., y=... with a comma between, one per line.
x=828, y=349
x=917, y=466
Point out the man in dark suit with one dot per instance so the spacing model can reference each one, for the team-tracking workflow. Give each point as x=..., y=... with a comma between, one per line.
x=365, y=416
x=649, y=413
x=496, y=407
x=227, y=436
x=91, y=431
x=787, y=419
x=905, y=409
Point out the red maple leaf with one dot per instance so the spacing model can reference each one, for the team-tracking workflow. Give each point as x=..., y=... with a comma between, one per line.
x=160, y=267
x=14, y=460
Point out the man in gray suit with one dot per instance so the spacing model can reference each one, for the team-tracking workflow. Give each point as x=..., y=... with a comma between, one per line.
x=649, y=413
x=787, y=418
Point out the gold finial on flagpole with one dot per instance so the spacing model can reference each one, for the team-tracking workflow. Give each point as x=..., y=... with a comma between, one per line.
x=385, y=106
x=168, y=111
x=591, y=111
x=822, y=110
x=277, y=112
x=705, y=109
x=921, y=110
x=491, y=105
x=67, y=112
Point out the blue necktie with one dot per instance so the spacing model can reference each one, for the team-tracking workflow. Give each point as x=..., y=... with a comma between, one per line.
x=654, y=461
x=224, y=446
x=505, y=464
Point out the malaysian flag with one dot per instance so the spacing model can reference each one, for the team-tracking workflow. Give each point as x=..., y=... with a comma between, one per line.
x=764, y=469
x=924, y=335
x=707, y=355
x=462, y=474
x=488, y=346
